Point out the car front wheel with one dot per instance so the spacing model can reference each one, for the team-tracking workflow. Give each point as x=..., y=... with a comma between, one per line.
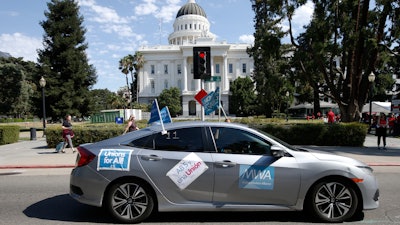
x=333, y=201
x=129, y=202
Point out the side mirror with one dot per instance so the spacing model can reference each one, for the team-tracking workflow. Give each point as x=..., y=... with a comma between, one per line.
x=277, y=151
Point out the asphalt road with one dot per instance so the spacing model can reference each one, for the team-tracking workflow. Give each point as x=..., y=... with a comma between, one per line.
x=40, y=197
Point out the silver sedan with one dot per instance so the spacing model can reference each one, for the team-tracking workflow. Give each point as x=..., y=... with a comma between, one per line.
x=207, y=166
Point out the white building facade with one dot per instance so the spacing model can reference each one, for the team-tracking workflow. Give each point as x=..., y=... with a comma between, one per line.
x=167, y=66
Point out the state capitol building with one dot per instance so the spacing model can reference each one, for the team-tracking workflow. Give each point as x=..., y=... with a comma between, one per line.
x=167, y=66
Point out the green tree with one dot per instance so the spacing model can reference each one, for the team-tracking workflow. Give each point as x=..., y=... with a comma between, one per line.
x=171, y=98
x=126, y=66
x=343, y=44
x=63, y=61
x=138, y=64
x=242, y=100
x=266, y=52
x=16, y=90
x=102, y=99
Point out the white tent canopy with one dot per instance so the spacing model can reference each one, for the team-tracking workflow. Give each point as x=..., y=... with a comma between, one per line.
x=377, y=107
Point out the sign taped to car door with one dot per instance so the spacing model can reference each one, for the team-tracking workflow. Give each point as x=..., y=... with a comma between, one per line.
x=187, y=170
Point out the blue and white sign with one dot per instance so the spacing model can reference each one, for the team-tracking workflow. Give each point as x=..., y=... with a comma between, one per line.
x=211, y=102
x=257, y=177
x=114, y=159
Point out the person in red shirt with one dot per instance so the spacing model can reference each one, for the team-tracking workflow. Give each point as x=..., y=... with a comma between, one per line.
x=381, y=126
x=391, y=121
x=331, y=116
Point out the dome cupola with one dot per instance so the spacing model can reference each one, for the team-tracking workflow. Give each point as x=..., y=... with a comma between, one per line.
x=190, y=24
x=191, y=8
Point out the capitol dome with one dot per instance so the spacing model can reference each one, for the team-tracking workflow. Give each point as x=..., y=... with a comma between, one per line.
x=190, y=24
x=191, y=8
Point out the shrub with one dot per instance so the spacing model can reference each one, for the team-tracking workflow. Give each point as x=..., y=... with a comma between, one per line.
x=9, y=134
x=343, y=134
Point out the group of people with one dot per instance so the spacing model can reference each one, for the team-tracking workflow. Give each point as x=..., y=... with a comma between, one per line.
x=330, y=117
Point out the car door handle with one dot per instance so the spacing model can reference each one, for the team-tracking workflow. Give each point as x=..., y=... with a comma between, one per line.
x=151, y=157
x=225, y=164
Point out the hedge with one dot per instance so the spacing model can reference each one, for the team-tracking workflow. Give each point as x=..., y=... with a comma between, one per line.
x=9, y=134
x=341, y=134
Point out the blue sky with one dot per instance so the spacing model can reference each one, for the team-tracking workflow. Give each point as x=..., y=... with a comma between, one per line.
x=116, y=28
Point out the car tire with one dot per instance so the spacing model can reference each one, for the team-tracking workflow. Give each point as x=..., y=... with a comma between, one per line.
x=129, y=201
x=332, y=201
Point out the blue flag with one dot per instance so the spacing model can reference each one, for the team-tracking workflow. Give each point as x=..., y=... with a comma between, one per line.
x=211, y=101
x=156, y=113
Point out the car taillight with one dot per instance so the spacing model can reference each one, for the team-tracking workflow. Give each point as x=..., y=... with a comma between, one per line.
x=85, y=157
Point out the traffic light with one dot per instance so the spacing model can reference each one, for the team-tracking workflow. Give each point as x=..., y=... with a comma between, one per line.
x=201, y=62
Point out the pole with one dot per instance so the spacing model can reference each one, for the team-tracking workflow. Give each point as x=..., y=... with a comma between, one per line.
x=44, y=112
x=202, y=107
x=370, y=107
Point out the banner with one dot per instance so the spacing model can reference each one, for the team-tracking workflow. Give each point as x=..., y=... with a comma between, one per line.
x=211, y=101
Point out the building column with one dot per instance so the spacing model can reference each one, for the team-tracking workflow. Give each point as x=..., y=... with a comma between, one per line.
x=185, y=80
x=225, y=80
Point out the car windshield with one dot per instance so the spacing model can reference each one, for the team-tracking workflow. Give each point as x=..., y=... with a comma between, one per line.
x=287, y=145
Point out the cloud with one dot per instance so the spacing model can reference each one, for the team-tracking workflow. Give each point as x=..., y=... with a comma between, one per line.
x=302, y=17
x=166, y=12
x=146, y=8
x=19, y=45
x=247, y=38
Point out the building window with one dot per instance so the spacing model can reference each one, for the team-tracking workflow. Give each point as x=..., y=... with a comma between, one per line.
x=152, y=69
x=244, y=68
x=165, y=69
x=217, y=68
x=180, y=84
x=195, y=26
x=185, y=26
x=230, y=68
x=179, y=67
x=165, y=84
x=153, y=86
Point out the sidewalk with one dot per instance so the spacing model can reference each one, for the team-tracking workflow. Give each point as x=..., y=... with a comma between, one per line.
x=36, y=154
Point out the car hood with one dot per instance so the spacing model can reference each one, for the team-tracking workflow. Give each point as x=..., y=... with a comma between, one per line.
x=332, y=157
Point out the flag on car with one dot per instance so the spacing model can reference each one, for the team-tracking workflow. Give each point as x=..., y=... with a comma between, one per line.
x=159, y=116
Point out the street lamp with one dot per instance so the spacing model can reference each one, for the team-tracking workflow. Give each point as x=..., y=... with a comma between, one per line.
x=371, y=79
x=42, y=83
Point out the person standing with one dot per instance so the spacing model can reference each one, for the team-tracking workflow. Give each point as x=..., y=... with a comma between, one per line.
x=67, y=133
x=131, y=126
x=381, y=127
x=331, y=116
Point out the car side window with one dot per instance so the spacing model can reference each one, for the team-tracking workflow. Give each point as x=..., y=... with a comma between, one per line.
x=186, y=139
x=234, y=141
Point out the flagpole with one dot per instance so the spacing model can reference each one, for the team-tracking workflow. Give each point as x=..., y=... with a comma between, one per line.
x=202, y=106
x=161, y=121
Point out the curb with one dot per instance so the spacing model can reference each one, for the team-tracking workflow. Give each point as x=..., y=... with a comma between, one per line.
x=35, y=166
x=72, y=166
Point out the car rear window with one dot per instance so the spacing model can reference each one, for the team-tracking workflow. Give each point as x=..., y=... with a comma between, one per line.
x=185, y=139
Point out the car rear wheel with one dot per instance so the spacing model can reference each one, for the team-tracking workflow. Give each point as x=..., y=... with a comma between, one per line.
x=129, y=202
x=333, y=201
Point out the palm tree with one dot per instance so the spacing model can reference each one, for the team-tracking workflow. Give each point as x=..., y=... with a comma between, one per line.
x=138, y=62
x=126, y=66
